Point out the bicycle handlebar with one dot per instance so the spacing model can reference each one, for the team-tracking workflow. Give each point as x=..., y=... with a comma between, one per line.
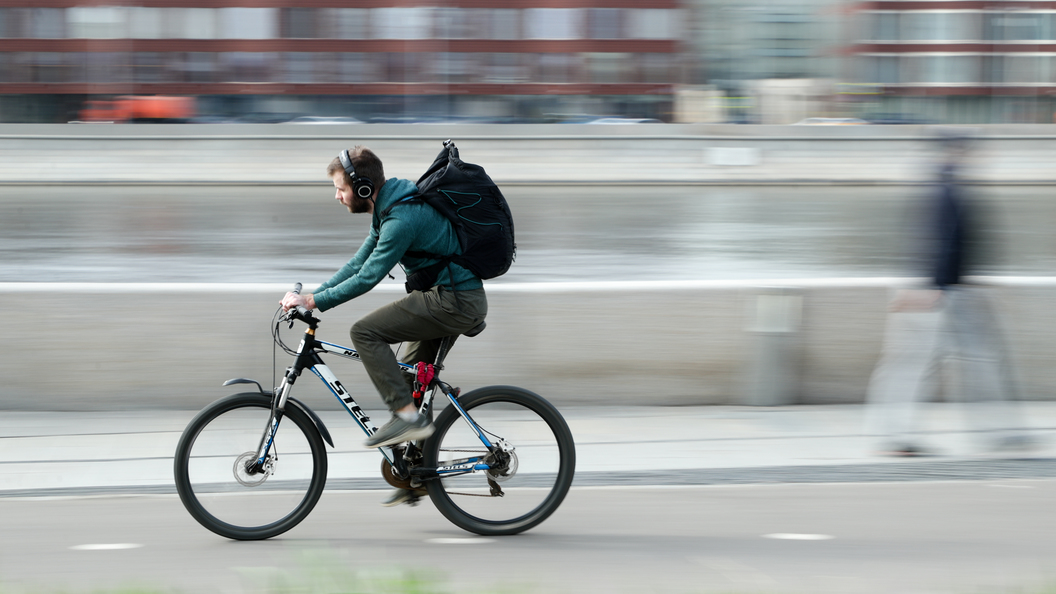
x=297, y=291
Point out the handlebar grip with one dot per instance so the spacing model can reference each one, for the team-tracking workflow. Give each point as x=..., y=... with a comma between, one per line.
x=296, y=289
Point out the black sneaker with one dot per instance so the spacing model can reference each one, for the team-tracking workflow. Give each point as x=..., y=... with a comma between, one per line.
x=398, y=431
x=399, y=496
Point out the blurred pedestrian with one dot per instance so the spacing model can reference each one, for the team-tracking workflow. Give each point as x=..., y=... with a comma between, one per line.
x=949, y=320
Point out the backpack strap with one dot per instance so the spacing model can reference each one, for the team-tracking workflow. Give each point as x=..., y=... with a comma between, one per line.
x=424, y=279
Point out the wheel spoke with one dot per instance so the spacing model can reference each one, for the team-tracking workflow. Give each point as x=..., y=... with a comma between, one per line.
x=219, y=488
x=534, y=466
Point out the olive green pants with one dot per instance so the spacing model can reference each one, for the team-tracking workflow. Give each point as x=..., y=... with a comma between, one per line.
x=422, y=320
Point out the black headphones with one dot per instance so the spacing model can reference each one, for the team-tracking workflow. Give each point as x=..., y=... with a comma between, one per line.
x=362, y=187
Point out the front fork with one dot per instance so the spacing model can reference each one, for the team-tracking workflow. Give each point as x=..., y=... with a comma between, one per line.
x=278, y=401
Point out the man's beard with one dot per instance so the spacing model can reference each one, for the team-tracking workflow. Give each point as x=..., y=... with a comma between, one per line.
x=359, y=205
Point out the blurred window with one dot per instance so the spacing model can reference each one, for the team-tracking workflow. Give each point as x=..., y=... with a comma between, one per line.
x=351, y=23
x=456, y=67
x=46, y=67
x=461, y=23
x=78, y=66
x=478, y=21
x=605, y=23
x=657, y=68
x=1017, y=26
x=886, y=70
x=963, y=26
x=913, y=69
x=145, y=23
x=15, y=22
x=197, y=67
x=919, y=25
x=1048, y=69
x=246, y=66
x=148, y=67
x=18, y=67
x=885, y=26
x=298, y=67
x=954, y=69
x=189, y=23
x=390, y=67
x=505, y=23
x=503, y=68
x=107, y=67
x=557, y=68
x=358, y=68
x=248, y=23
x=652, y=23
x=96, y=22
x=327, y=67
x=1021, y=69
x=448, y=24
x=1048, y=26
x=607, y=68
x=299, y=23
x=554, y=23
x=401, y=23
x=48, y=23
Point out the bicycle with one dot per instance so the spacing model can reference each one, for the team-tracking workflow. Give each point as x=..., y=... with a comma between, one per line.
x=253, y=465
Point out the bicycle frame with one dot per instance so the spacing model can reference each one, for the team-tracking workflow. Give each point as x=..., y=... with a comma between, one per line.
x=308, y=357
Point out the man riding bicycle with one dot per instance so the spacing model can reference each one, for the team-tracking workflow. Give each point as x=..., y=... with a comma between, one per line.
x=408, y=234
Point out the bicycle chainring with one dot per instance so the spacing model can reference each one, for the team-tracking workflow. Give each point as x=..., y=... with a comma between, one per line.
x=392, y=479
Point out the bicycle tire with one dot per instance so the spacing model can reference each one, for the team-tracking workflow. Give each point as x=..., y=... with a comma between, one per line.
x=296, y=427
x=528, y=422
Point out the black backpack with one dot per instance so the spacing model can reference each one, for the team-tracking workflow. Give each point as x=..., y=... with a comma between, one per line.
x=467, y=197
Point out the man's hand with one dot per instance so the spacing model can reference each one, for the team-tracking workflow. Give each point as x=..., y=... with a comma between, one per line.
x=292, y=300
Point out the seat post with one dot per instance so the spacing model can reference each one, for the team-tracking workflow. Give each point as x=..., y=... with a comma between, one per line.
x=441, y=353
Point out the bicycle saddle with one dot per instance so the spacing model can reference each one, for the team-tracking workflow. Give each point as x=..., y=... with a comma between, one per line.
x=475, y=330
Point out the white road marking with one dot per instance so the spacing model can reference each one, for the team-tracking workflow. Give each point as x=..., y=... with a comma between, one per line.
x=468, y=540
x=793, y=536
x=117, y=546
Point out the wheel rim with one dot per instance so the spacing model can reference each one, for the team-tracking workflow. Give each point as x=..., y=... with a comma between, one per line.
x=533, y=467
x=230, y=496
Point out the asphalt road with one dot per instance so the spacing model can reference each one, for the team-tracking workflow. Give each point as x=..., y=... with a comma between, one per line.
x=936, y=537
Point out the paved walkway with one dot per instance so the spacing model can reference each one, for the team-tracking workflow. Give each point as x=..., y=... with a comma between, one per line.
x=47, y=453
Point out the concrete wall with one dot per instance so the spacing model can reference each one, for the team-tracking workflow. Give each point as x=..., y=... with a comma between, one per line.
x=172, y=347
x=659, y=153
x=69, y=347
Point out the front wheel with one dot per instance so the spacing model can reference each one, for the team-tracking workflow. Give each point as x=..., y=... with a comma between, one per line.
x=529, y=476
x=216, y=479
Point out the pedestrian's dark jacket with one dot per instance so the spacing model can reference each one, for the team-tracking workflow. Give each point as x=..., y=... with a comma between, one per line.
x=950, y=230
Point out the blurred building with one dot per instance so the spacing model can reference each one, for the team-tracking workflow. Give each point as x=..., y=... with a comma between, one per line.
x=778, y=62
x=768, y=63
x=956, y=61
x=397, y=60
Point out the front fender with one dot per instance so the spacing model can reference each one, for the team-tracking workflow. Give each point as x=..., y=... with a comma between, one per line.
x=311, y=413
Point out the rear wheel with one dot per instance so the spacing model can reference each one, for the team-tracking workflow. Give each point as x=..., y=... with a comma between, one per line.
x=529, y=477
x=218, y=490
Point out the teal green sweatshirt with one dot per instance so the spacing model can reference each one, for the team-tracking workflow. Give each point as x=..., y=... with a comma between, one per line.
x=414, y=226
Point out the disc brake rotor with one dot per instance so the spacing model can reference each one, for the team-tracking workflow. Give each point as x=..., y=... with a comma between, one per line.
x=505, y=474
x=253, y=480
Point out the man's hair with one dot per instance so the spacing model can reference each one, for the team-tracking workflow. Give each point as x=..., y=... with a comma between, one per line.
x=367, y=165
